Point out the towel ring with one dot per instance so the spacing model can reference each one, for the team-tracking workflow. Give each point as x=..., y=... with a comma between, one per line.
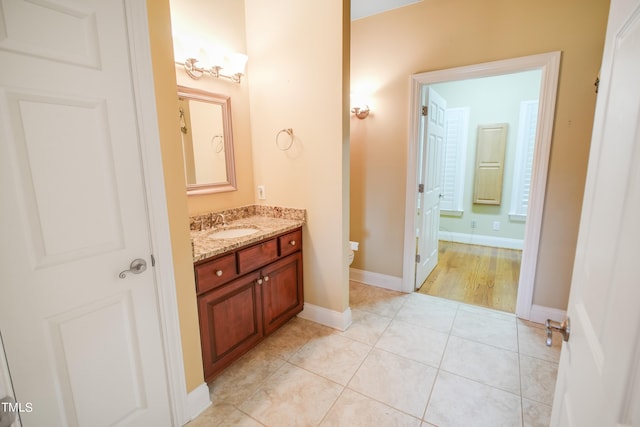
x=288, y=132
x=219, y=148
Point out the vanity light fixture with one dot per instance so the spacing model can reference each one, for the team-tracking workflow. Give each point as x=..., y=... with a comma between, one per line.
x=360, y=112
x=234, y=70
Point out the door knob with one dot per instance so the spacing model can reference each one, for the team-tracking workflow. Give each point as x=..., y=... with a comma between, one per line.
x=564, y=328
x=137, y=266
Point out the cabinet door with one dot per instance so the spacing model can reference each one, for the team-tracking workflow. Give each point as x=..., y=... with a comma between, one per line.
x=282, y=291
x=230, y=322
x=490, y=150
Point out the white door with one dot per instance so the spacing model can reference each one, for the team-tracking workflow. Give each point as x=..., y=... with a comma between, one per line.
x=83, y=345
x=599, y=373
x=429, y=183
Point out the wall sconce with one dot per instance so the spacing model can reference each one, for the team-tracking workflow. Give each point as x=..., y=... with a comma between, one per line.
x=216, y=64
x=360, y=112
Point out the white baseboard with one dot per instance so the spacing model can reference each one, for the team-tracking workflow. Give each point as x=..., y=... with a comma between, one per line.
x=376, y=279
x=198, y=400
x=476, y=239
x=540, y=314
x=324, y=316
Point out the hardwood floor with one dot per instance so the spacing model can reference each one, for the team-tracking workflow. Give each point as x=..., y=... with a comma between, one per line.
x=478, y=275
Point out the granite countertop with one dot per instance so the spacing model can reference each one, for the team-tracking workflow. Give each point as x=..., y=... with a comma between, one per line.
x=269, y=221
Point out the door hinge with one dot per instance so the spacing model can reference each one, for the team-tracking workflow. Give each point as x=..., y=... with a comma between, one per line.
x=153, y=261
x=417, y=258
x=420, y=188
x=425, y=110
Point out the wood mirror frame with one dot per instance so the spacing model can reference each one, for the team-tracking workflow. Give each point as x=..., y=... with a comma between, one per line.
x=188, y=127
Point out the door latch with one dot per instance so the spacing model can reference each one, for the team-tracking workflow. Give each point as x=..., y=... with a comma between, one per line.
x=564, y=328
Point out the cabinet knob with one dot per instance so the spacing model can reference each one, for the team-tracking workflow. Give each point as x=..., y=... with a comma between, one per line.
x=292, y=242
x=219, y=273
x=259, y=281
x=266, y=278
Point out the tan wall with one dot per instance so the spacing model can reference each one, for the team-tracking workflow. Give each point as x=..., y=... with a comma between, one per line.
x=314, y=175
x=166, y=104
x=296, y=81
x=346, y=135
x=388, y=48
x=220, y=23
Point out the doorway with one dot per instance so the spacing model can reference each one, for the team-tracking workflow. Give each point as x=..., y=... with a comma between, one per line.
x=480, y=237
x=548, y=65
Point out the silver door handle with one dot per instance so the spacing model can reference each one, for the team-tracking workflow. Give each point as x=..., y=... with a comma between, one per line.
x=137, y=266
x=564, y=328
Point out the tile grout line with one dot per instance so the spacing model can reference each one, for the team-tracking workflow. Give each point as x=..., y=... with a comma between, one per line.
x=439, y=368
x=285, y=361
x=371, y=347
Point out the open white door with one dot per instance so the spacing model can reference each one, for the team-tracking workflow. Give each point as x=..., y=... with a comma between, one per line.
x=429, y=183
x=599, y=373
x=83, y=343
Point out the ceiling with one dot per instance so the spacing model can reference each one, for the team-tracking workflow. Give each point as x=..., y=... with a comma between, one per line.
x=363, y=8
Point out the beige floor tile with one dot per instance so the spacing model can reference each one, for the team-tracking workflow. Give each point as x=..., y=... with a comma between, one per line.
x=290, y=338
x=538, y=379
x=223, y=415
x=333, y=356
x=396, y=381
x=459, y=402
x=355, y=410
x=292, y=397
x=484, y=363
x=427, y=311
x=243, y=377
x=536, y=414
x=366, y=327
x=375, y=300
x=532, y=339
x=487, y=330
x=391, y=344
x=414, y=342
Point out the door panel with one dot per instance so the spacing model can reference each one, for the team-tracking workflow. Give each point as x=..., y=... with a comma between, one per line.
x=84, y=346
x=489, y=168
x=83, y=335
x=598, y=373
x=55, y=31
x=57, y=162
x=238, y=303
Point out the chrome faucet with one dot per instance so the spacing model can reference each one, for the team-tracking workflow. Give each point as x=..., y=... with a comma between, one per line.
x=224, y=221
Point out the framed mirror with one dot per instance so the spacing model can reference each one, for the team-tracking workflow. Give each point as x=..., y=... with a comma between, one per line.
x=207, y=141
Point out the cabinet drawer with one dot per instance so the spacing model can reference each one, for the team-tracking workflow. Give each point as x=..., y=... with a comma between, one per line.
x=215, y=273
x=256, y=256
x=290, y=242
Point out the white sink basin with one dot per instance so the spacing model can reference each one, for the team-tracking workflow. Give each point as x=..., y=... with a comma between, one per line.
x=233, y=233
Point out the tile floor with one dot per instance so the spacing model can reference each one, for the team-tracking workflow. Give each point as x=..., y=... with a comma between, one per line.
x=407, y=360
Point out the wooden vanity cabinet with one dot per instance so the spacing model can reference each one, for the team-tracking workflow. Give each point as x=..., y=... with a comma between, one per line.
x=245, y=295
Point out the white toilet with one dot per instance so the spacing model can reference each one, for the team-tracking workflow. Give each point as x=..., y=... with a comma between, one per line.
x=354, y=247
